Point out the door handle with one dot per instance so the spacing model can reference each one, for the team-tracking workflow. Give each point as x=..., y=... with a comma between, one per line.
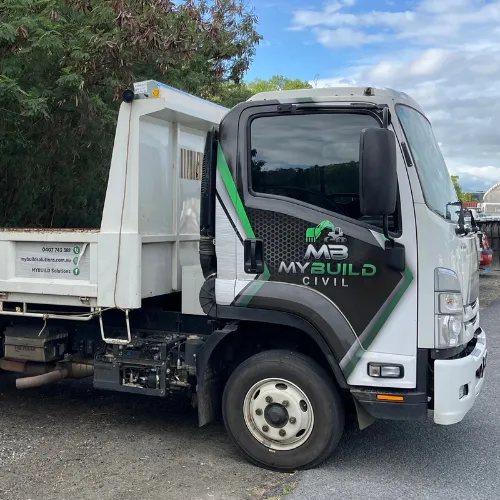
x=254, y=256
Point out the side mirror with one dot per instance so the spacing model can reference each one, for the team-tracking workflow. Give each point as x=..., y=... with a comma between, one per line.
x=378, y=185
x=378, y=181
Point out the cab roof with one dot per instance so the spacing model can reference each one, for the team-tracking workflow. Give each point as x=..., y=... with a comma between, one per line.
x=360, y=94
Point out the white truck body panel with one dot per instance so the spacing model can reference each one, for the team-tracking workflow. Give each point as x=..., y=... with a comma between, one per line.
x=148, y=240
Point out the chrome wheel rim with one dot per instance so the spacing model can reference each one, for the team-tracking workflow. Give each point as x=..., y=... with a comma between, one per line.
x=278, y=414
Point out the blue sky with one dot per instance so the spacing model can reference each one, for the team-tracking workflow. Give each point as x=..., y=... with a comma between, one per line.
x=311, y=60
x=444, y=53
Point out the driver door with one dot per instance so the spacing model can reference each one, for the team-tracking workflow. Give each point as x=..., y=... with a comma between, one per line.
x=299, y=194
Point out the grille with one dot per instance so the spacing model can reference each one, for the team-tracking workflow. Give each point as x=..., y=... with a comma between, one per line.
x=473, y=320
x=191, y=164
x=284, y=236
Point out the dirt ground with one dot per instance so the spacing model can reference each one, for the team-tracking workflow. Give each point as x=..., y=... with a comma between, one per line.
x=69, y=441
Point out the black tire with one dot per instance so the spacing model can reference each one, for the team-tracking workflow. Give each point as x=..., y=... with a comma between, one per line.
x=316, y=384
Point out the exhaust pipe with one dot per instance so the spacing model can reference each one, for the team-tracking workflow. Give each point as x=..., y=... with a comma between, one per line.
x=39, y=380
x=29, y=368
x=70, y=370
x=12, y=366
x=42, y=374
x=79, y=370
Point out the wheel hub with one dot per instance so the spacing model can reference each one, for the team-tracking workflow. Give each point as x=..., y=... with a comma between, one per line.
x=278, y=414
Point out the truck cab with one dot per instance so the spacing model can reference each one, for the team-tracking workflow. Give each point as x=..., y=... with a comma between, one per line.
x=393, y=297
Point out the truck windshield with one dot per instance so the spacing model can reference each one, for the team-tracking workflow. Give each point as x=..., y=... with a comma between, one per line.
x=432, y=171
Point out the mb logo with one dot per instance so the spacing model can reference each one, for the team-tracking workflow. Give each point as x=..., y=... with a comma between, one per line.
x=333, y=244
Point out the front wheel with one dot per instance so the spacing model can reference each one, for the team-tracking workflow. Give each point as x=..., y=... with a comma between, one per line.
x=283, y=411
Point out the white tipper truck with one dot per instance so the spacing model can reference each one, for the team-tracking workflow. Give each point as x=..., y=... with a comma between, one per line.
x=297, y=257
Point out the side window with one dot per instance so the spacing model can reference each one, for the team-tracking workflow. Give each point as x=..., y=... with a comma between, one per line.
x=311, y=158
x=433, y=174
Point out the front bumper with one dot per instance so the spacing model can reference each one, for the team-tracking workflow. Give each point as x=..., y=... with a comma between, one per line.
x=451, y=375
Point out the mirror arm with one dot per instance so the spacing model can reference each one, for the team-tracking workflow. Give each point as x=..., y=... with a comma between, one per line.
x=395, y=254
x=460, y=229
x=474, y=226
x=386, y=230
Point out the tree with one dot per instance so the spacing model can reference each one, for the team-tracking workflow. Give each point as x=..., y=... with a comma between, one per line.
x=456, y=185
x=231, y=93
x=277, y=82
x=461, y=195
x=63, y=67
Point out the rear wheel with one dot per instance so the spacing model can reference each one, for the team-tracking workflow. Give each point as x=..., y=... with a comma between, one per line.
x=283, y=411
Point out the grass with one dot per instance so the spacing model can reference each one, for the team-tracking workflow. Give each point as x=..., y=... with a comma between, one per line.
x=287, y=489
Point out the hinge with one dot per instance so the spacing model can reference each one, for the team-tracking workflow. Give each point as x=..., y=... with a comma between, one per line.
x=286, y=108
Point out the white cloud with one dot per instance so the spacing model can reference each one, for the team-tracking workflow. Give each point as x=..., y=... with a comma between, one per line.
x=333, y=82
x=488, y=173
x=474, y=178
x=431, y=62
x=344, y=37
x=430, y=19
x=331, y=16
x=445, y=54
x=442, y=7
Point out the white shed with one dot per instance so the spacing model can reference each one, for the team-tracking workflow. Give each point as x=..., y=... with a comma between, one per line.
x=490, y=205
x=493, y=194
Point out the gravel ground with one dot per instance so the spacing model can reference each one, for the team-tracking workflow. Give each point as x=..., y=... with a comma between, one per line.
x=71, y=441
x=490, y=287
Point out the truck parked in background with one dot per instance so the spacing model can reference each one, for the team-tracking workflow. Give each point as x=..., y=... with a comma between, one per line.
x=299, y=256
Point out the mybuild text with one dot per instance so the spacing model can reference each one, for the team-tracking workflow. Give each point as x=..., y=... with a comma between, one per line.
x=326, y=272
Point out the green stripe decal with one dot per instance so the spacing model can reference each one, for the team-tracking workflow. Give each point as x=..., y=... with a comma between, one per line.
x=250, y=292
x=408, y=278
x=233, y=192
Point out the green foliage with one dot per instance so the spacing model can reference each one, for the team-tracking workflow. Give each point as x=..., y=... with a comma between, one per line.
x=456, y=185
x=277, y=82
x=461, y=195
x=63, y=67
x=231, y=94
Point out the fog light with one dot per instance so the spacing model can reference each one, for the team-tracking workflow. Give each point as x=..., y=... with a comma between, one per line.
x=385, y=371
x=463, y=391
x=391, y=371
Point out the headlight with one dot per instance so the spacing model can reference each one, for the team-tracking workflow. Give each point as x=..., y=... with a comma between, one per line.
x=449, y=331
x=450, y=303
x=449, y=310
